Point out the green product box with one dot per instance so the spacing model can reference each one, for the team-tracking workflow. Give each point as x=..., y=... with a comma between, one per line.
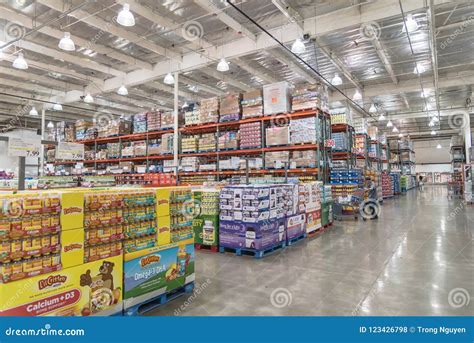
x=326, y=213
x=206, y=230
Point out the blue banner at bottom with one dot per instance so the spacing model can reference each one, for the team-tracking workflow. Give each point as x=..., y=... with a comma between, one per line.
x=237, y=329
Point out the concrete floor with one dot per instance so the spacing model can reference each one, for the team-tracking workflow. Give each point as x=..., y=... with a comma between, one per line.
x=417, y=259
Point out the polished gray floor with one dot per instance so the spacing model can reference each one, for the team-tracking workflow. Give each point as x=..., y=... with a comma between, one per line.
x=417, y=259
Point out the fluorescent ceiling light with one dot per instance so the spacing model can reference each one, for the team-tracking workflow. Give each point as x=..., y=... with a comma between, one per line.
x=50, y=125
x=357, y=95
x=122, y=90
x=185, y=105
x=431, y=123
x=125, y=17
x=66, y=43
x=169, y=79
x=88, y=98
x=336, y=80
x=411, y=24
x=382, y=117
x=223, y=65
x=394, y=130
x=33, y=111
x=438, y=146
x=389, y=123
x=298, y=47
x=20, y=62
x=372, y=109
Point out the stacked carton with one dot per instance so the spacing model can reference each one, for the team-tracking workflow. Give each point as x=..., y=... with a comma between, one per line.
x=252, y=104
x=153, y=120
x=139, y=123
x=230, y=107
x=209, y=111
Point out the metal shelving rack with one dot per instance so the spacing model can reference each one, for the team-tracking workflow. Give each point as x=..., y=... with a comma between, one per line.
x=348, y=156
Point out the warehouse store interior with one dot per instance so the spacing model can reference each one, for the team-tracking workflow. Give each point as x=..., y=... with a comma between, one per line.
x=235, y=158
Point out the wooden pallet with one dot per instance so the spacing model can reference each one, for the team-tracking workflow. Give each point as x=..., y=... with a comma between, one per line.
x=205, y=247
x=253, y=252
x=293, y=240
x=158, y=301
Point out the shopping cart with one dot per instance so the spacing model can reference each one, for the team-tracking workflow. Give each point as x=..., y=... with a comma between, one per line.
x=348, y=206
x=454, y=190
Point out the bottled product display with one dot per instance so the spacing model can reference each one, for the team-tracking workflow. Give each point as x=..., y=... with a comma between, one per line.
x=206, y=220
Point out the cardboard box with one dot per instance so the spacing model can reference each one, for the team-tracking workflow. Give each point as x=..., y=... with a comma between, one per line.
x=295, y=226
x=277, y=136
x=276, y=98
x=258, y=236
x=93, y=288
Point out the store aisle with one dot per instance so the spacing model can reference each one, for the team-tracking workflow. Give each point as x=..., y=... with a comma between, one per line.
x=417, y=259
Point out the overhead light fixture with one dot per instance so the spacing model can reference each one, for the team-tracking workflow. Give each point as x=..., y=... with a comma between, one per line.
x=88, y=98
x=372, y=108
x=433, y=133
x=169, y=79
x=50, y=125
x=431, y=123
x=66, y=43
x=298, y=47
x=410, y=24
x=389, y=123
x=122, y=90
x=400, y=135
x=20, y=62
x=394, y=130
x=435, y=118
x=381, y=117
x=185, y=105
x=33, y=111
x=438, y=146
x=357, y=95
x=419, y=69
x=57, y=107
x=336, y=80
x=125, y=17
x=223, y=65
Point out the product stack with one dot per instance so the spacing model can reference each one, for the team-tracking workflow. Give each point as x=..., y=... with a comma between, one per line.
x=250, y=135
x=167, y=120
x=341, y=142
x=395, y=183
x=360, y=147
x=209, y=111
x=139, y=123
x=276, y=98
x=341, y=118
x=344, y=182
x=376, y=178
x=277, y=159
x=181, y=214
x=228, y=140
x=326, y=205
x=360, y=126
x=303, y=130
x=230, y=107
x=277, y=136
x=387, y=185
x=191, y=117
x=306, y=97
x=303, y=159
x=189, y=144
x=312, y=201
x=252, y=104
x=84, y=130
x=252, y=217
x=153, y=120
x=207, y=142
x=206, y=219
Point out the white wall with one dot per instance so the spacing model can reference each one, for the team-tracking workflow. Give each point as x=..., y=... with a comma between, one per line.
x=426, y=152
x=433, y=168
x=11, y=163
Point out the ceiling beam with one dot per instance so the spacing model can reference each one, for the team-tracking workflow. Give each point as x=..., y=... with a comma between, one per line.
x=380, y=50
x=169, y=89
x=60, y=70
x=295, y=67
x=318, y=25
x=254, y=71
x=433, y=49
x=225, y=78
x=27, y=22
x=202, y=86
x=113, y=29
x=225, y=18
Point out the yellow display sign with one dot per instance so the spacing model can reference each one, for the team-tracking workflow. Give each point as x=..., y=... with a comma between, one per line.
x=72, y=247
x=93, y=288
x=72, y=211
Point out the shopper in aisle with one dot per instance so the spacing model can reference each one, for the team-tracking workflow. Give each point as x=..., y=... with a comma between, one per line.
x=370, y=208
x=420, y=182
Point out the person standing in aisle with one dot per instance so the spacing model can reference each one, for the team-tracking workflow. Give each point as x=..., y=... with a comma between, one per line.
x=371, y=208
x=420, y=182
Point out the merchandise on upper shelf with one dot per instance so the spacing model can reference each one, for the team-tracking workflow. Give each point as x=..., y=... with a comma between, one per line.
x=207, y=142
x=341, y=117
x=252, y=104
x=308, y=97
x=230, y=107
x=250, y=135
x=277, y=135
x=276, y=98
x=189, y=144
x=139, y=123
x=228, y=140
x=209, y=111
x=303, y=130
x=360, y=126
x=373, y=132
x=277, y=159
x=341, y=141
x=153, y=120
